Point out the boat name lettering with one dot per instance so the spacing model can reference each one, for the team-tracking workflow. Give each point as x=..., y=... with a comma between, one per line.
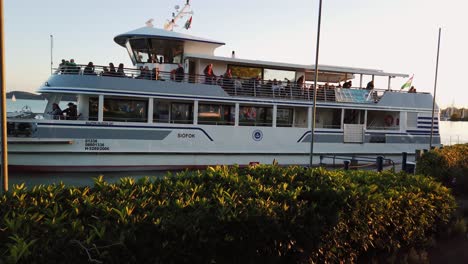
x=94, y=144
x=185, y=135
x=97, y=123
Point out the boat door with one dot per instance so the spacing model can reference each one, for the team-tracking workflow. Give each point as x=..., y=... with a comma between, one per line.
x=192, y=72
x=353, y=126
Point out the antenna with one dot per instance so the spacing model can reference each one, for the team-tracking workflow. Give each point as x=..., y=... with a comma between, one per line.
x=149, y=23
x=186, y=10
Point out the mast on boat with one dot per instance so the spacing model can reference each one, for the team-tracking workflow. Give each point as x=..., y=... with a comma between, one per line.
x=186, y=10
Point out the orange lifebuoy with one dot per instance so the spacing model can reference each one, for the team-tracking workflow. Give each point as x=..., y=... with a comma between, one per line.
x=388, y=120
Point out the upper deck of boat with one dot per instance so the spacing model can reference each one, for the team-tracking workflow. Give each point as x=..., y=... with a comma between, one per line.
x=138, y=83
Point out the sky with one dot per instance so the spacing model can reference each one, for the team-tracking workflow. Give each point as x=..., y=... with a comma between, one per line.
x=398, y=36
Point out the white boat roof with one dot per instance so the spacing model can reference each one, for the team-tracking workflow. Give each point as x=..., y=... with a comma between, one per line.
x=290, y=66
x=150, y=32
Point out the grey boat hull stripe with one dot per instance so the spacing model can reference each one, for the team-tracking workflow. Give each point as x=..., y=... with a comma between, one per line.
x=128, y=126
x=99, y=133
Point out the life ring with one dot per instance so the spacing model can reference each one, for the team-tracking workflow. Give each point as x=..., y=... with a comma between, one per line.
x=388, y=120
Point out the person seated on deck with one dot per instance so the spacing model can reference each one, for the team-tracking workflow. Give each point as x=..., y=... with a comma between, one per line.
x=105, y=72
x=111, y=69
x=348, y=84
x=210, y=77
x=72, y=68
x=120, y=71
x=56, y=111
x=71, y=113
x=370, y=85
x=89, y=70
x=179, y=73
x=412, y=90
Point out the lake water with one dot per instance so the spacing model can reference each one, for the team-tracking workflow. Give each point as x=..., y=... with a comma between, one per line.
x=451, y=133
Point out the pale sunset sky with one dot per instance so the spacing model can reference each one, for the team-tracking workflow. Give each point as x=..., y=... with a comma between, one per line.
x=392, y=35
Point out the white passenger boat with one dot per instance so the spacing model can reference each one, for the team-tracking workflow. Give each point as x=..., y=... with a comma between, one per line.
x=135, y=119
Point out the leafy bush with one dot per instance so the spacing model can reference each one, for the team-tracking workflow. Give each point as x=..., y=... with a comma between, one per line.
x=449, y=165
x=224, y=215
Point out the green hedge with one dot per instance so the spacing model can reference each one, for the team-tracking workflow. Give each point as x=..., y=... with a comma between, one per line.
x=448, y=164
x=262, y=214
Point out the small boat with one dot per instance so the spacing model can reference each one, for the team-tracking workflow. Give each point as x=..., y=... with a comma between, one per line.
x=13, y=98
x=168, y=112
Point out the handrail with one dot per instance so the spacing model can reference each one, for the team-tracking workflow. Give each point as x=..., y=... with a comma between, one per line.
x=371, y=161
x=241, y=87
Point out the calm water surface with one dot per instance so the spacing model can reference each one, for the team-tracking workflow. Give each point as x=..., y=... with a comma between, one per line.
x=451, y=133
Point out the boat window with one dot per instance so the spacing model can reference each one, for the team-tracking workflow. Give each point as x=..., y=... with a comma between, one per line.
x=280, y=75
x=125, y=110
x=130, y=52
x=161, y=112
x=328, y=118
x=93, y=108
x=166, y=51
x=215, y=114
x=383, y=120
x=255, y=116
x=353, y=116
x=245, y=72
x=284, y=117
x=301, y=116
x=182, y=113
x=140, y=49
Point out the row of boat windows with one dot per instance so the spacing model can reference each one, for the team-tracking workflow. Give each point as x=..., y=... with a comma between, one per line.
x=135, y=110
x=123, y=110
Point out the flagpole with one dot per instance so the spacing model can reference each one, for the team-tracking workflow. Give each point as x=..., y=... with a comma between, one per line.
x=315, y=86
x=435, y=89
x=3, y=105
x=51, y=54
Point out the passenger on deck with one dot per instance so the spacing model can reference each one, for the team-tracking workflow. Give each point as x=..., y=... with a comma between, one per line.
x=179, y=74
x=348, y=84
x=227, y=79
x=112, y=69
x=300, y=84
x=275, y=86
x=71, y=113
x=209, y=74
x=220, y=80
x=62, y=67
x=120, y=70
x=412, y=90
x=228, y=74
x=56, y=111
x=146, y=73
x=238, y=84
x=370, y=85
x=89, y=70
x=155, y=74
x=70, y=67
x=105, y=72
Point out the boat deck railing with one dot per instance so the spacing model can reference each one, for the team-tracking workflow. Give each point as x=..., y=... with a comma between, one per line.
x=238, y=86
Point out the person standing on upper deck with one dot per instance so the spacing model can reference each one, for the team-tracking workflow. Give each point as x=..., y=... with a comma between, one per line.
x=179, y=74
x=370, y=85
x=209, y=74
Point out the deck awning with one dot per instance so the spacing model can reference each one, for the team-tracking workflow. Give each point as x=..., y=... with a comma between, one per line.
x=327, y=73
x=149, y=32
